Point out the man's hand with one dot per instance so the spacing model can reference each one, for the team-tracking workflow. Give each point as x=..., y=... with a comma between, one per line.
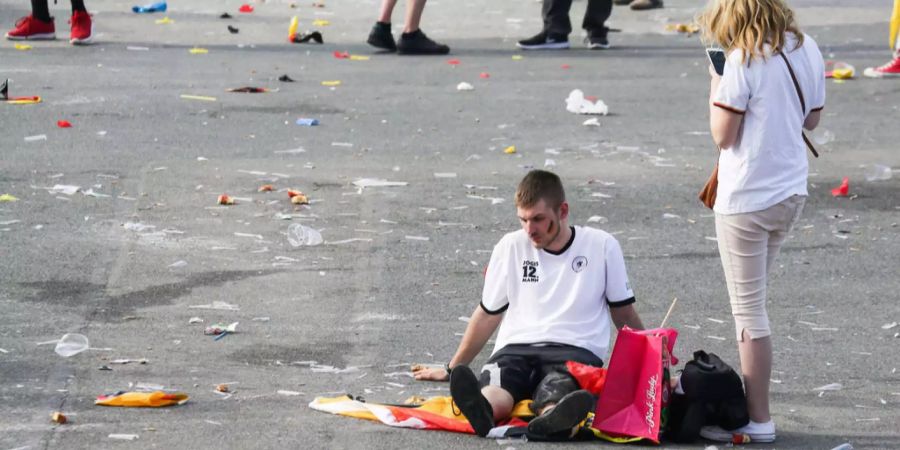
x=425, y=373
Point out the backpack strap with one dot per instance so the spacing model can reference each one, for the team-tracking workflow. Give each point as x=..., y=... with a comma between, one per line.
x=802, y=103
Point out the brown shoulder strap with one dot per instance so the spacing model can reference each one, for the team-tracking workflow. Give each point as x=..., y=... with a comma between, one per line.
x=802, y=102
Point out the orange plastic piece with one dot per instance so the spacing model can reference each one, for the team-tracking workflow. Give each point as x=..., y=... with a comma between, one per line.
x=843, y=190
x=224, y=199
x=58, y=417
x=142, y=399
x=246, y=8
x=266, y=188
x=64, y=124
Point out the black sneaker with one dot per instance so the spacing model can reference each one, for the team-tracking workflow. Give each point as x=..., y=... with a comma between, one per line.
x=568, y=413
x=381, y=37
x=597, y=42
x=544, y=41
x=466, y=394
x=416, y=43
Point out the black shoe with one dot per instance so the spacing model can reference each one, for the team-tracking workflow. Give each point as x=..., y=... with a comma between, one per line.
x=544, y=41
x=599, y=42
x=381, y=37
x=416, y=43
x=466, y=394
x=570, y=411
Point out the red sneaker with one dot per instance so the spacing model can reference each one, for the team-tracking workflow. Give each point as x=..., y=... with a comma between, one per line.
x=889, y=70
x=29, y=28
x=82, y=28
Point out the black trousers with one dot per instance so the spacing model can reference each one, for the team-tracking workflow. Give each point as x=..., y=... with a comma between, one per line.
x=556, y=16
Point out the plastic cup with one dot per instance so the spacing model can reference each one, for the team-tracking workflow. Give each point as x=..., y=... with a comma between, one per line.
x=71, y=344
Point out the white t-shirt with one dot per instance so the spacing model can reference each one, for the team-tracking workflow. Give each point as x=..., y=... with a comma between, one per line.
x=556, y=298
x=768, y=162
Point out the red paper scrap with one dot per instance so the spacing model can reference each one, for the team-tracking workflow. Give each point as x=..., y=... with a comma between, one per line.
x=843, y=190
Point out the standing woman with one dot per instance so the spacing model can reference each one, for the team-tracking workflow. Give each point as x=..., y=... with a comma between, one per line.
x=755, y=119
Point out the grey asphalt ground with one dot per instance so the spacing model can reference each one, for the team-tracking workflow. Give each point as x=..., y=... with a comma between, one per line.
x=70, y=263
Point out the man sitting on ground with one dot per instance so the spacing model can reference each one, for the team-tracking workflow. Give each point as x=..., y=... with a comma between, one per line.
x=551, y=288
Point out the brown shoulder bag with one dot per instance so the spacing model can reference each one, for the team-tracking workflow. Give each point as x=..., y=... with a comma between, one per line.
x=707, y=195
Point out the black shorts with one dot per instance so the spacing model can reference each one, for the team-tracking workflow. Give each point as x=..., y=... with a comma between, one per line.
x=520, y=368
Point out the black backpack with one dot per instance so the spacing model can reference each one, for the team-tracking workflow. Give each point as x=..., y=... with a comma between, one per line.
x=713, y=395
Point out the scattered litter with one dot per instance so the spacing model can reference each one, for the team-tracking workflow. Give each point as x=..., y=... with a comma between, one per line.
x=285, y=79
x=266, y=188
x=35, y=138
x=517, y=57
x=202, y=98
x=123, y=437
x=465, y=87
x=137, y=226
x=331, y=83
x=510, y=150
x=71, y=344
x=66, y=189
x=871, y=419
x=153, y=399
x=718, y=338
x=290, y=393
x=222, y=388
x=224, y=199
x=225, y=15
x=715, y=320
x=233, y=30
x=822, y=136
x=135, y=48
x=592, y=122
x=888, y=326
x=195, y=320
x=597, y=219
x=124, y=361
x=261, y=319
x=375, y=182
x=307, y=122
x=839, y=70
x=829, y=387
x=418, y=238
x=198, y=51
x=321, y=23
x=445, y=174
x=249, y=90
x=150, y=8
x=549, y=162
x=218, y=305
x=685, y=28
x=484, y=75
x=9, y=222
x=878, y=172
x=246, y=8
x=249, y=235
x=8, y=198
x=22, y=47
x=576, y=103
x=63, y=124
x=453, y=62
x=843, y=190
x=177, y=264
x=165, y=21
x=300, y=235
x=58, y=417
x=671, y=216
x=219, y=328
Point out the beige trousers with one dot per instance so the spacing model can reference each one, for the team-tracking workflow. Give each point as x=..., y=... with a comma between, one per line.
x=748, y=244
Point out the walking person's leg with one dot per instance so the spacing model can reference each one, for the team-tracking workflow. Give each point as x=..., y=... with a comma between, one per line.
x=413, y=41
x=380, y=36
x=595, y=17
x=555, y=33
x=82, y=24
x=37, y=26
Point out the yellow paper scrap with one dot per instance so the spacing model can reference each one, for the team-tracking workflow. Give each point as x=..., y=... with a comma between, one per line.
x=198, y=97
x=510, y=150
x=198, y=51
x=164, y=21
x=331, y=83
x=292, y=29
x=359, y=58
x=7, y=198
x=24, y=101
x=321, y=23
x=687, y=28
x=517, y=57
x=23, y=47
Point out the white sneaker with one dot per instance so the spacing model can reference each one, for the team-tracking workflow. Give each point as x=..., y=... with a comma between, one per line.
x=757, y=432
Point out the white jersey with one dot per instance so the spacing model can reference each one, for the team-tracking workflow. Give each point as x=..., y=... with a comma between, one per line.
x=557, y=298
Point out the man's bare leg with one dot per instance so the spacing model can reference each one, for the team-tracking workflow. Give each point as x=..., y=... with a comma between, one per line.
x=387, y=9
x=414, y=9
x=501, y=401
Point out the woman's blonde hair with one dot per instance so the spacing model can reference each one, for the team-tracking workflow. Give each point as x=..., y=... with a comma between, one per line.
x=748, y=25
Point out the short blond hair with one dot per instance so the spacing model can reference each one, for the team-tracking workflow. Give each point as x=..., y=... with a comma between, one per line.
x=540, y=185
x=748, y=25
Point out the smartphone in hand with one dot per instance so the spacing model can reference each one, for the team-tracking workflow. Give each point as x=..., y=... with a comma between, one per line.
x=717, y=59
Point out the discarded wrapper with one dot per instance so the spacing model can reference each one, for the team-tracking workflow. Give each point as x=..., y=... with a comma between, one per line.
x=224, y=199
x=142, y=399
x=219, y=328
x=58, y=417
x=510, y=150
x=843, y=190
x=839, y=70
x=222, y=388
x=686, y=28
x=150, y=8
x=266, y=188
x=578, y=104
x=4, y=95
x=233, y=30
x=63, y=124
x=307, y=122
x=299, y=199
x=8, y=198
x=246, y=8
